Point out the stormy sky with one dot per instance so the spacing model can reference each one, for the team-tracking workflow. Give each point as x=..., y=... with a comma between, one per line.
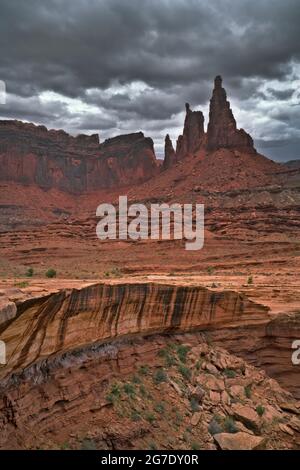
x=119, y=66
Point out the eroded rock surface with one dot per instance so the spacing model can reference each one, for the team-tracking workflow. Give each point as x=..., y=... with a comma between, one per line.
x=32, y=155
x=73, y=318
x=222, y=131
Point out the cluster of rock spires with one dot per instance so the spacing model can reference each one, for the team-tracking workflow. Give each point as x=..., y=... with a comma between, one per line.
x=33, y=155
x=222, y=131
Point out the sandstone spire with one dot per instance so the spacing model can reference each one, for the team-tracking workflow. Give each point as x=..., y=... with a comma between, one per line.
x=170, y=156
x=193, y=133
x=222, y=131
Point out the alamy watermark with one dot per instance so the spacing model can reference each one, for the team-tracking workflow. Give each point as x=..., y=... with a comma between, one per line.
x=2, y=92
x=2, y=353
x=296, y=353
x=158, y=222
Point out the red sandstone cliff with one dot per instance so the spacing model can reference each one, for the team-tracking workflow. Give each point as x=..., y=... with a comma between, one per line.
x=31, y=154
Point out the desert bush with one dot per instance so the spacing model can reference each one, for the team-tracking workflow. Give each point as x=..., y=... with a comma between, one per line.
x=21, y=284
x=247, y=390
x=160, y=376
x=185, y=372
x=115, y=390
x=214, y=427
x=230, y=373
x=260, y=409
x=143, y=370
x=250, y=280
x=135, y=416
x=194, y=404
x=229, y=425
x=135, y=379
x=168, y=357
x=129, y=389
x=182, y=351
x=29, y=272
x=150, y=417
x=160, y=408
x=51, y=273
x=113, y=272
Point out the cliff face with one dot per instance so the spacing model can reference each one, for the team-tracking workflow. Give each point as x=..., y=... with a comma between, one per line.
x=53, y=159
x=267, y=346
x=72, y=319
x=73, y=356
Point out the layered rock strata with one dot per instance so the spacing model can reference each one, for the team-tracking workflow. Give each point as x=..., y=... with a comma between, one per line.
x=32, y=155
x=66, y=320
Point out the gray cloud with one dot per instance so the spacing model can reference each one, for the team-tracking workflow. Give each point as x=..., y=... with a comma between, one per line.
x=85, y=48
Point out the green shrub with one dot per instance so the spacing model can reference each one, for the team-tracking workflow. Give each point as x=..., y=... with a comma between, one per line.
x=135, y=379
x=178, y=417
x=247, y=390
x=230, y=373
x=160, y=408
x=143, y=370
x=185, y=372
x=22, y=284
x=29, y=272
x=135, y=416
x=229, y=425
x=150, y=417
x=214, y=427
x=129, y=389
x=51, y=273
x=168, y=357
x=250, y=280
x=160, y=376
x=115, y=390
x=260, y=409
x=113, y=272
x=182, y=351
x=194, y=405
x=210, y=270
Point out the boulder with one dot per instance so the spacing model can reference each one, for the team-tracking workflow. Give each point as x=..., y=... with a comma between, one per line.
x=246, y=415
x=239, y=441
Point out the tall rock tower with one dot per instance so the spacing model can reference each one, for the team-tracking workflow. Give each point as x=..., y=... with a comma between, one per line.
x=222, y=131
x=193, y=133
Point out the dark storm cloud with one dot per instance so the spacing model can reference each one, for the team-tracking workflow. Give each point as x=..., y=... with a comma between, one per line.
x=81, y=48
x=282, y=94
